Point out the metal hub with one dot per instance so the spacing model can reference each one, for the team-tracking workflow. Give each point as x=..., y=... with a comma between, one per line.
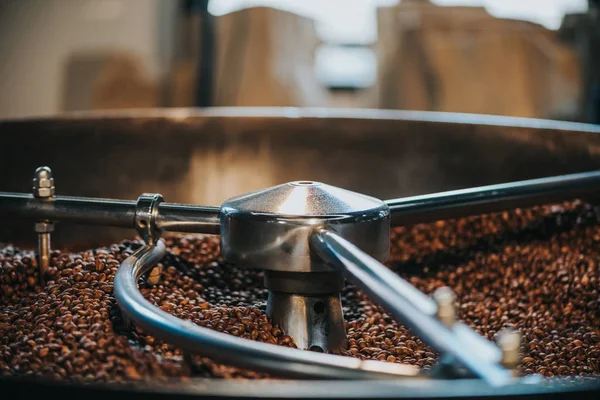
x=270, y=229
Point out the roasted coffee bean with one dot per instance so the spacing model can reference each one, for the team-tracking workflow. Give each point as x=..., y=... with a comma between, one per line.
x=533, y=269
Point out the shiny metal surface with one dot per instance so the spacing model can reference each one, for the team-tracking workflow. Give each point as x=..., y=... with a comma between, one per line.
x=44, y=248
x=315, y=322
x=304, y=199
x=270, y=228
x=405, y=211
x=43, y=183
x=307, y=306
x=108, y=212
x=413, y=310
x=188, y=218
x=481, y=200
x=146, y=212
x=557, y=388
x=243, y=353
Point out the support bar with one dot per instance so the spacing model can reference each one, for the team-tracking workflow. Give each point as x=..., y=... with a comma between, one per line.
x=108, y=212
x=493, y=198
x=405, y=302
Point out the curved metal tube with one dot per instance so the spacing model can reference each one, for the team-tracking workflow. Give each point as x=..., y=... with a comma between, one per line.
x=243, y=353
x=485, y=199
x=400, y=299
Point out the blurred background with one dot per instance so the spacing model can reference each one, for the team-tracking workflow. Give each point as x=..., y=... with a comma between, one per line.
x=527, y=58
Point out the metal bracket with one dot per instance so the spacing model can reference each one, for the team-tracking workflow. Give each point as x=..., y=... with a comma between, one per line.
x=146, y=212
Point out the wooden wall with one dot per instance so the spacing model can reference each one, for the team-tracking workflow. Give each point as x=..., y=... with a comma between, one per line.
x=461, y=59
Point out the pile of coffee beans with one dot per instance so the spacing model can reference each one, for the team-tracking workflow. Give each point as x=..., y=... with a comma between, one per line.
x=535, y=270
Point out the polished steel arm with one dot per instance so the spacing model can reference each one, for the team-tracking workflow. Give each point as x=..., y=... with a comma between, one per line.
x=243, y=353
x=485, y=199
x=108, y=212
x=404, y=211
x=405, y=302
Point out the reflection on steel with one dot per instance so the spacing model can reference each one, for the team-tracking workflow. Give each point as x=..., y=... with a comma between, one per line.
x=270, y=229
x=485, y=199
x=146, y=211
x=285, y=215
x=243, y=353
x=316, y=321
x=404, y=211
x=109, y=212
x=408, y=305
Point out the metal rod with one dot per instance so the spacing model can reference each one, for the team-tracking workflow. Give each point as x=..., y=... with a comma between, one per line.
x=405, y=211
x=400, y=299
x=118, y=213
x=188, y=218
x=43, y=253
x=108, y=212
x=485, y=199
x=244, y=353
x=43, y=189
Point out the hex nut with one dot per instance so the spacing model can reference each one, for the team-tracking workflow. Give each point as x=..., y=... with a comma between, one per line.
x=43, y=183
x=44, y=192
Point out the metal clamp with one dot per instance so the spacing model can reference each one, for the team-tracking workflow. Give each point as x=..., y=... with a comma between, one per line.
x=146, y=212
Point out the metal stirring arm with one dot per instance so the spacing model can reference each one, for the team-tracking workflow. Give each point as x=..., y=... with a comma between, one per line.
x=492, y=198
x=404, y=211
x=170, y=217
x=243, y=353
x=405, y=302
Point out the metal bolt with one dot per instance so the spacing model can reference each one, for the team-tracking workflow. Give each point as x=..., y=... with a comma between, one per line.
x=145, y=221
x=43, y=188
x=509, y=341
x=43, y=183
x=444, y=298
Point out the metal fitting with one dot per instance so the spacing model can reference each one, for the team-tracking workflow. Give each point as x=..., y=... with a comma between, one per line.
x=44, y=227
x=43, y=183
x=509, y=341
x=146, y=212
x=445, y=298
x=271, y=229
x=43, y=188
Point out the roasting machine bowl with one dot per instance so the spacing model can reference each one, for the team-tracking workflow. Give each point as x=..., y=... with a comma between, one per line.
x=207, y=156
